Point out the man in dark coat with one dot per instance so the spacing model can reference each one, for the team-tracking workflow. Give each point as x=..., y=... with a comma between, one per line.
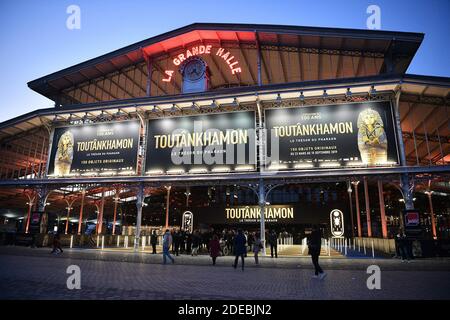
x=153, y=241
x=314, y=244
x=273, y=241
x=240, y=248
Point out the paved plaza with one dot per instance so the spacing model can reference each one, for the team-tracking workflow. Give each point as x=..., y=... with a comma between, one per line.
x=27, y=273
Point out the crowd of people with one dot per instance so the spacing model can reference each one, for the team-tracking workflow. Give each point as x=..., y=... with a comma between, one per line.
x=198, y=242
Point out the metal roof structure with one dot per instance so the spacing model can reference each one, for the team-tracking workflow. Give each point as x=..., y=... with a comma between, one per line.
x=288, y=54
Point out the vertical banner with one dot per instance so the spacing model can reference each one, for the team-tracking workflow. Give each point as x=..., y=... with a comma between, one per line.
x=354, y=134
x=103, y=148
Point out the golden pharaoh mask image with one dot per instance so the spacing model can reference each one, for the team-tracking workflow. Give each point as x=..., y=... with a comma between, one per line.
x=372, y=142
x=64, y=154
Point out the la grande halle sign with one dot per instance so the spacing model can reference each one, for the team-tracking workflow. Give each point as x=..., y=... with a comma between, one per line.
x=227, y=56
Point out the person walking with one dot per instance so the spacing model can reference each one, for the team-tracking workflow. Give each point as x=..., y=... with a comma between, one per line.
x=402, y=243
x=167, y=242
x=153, y=241
x=239, y=248
x=314, y=244
x=273, y=241
x=57, y=243
x=257, y=246
x=214, y=248
x=195, y=243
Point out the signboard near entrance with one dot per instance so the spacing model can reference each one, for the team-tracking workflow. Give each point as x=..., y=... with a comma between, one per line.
x=201, y=144
x=327, y=136
x=103, y=148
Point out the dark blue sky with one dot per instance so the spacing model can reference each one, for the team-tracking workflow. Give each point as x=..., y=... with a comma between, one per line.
x=36, y=42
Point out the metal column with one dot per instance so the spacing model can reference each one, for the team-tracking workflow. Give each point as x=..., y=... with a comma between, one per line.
x=139, y=205
x=262, y=206
x=80, y=219
x=358, y=212
x=366, y=196
x=433, y=221
x=382, y=209
x=167, y=206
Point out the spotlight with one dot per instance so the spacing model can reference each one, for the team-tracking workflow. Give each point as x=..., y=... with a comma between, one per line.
x=278, y=98
x=348, y=93
x=193, y=106
x=214, y=104
x=154, y=109
x=70, y=118
x=119, y=113
x=235, y=103
x=174, y=108
x=85, y=117
x=301, y=97
x=325, y=94
x=372, y=90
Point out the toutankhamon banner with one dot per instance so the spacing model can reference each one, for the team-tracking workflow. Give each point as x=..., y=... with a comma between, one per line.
x=104, y=148
x=328, y=136
x=201, y=144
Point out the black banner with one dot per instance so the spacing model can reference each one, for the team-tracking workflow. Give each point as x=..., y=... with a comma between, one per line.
x=294, y=213
x=355, y=134
x=103, y=148
x=200, y=144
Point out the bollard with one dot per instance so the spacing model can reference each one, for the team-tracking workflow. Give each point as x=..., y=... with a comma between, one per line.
x=143, y=243
x=118, y=241
x=345, y=246
x=98, y=241
x=364, y=246
x=71, y=241
x=359, y=245
x=373, y=251
x=103, y=242
x=125, y=243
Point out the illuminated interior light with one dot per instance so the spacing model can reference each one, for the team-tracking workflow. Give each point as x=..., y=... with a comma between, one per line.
x=198, y=170
x=330, y=164
x=90, y=173
x=175, y=171
x=303, y=165
x=244, y=168
x=277, y=166
x=126, y=172
x=355, y=164
x=221, y=169
x=154, y=172
x=107, y=173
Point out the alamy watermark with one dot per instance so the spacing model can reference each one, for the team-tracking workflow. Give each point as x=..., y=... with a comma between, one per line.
x=373, y=22
x=74, y=280
x=73, y=21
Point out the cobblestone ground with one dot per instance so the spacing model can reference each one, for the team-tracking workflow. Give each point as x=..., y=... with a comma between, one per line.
x=35, y=274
